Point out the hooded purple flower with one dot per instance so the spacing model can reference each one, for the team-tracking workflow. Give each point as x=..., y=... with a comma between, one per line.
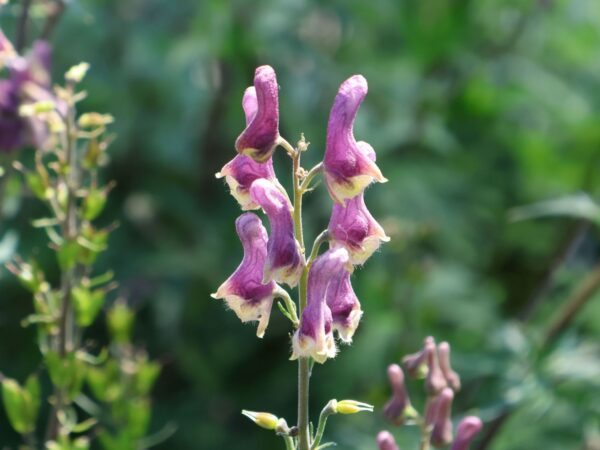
x=466, y=431
x=352, y=225
x=314, y=337
x=348, y=170
x=244, y=291
x=261, y=136
x=344, y=305
x=242, y=170
x=434, y=381
x=397, y=408
x=438, y=415
x=385, y=441
x=450, y=375
x=284, y=260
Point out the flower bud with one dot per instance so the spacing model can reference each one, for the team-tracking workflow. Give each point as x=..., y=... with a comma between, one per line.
x=416, y=364
x=314, y=337
x=259, y=139
x=242, y=170
x=284, y=258
x=466, y=431
x=344, y=306
x=262, y=419
x=434, y=381
x=398, y=408
x=348, y=169
x=385, y=441
x=244, y=291
x=450, y=375
x=352, y=407
x=438, y=415
x=77, y=73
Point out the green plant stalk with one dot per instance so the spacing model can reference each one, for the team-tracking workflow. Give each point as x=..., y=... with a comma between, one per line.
x=425, y=428
x=289, y=443
x=325, y=413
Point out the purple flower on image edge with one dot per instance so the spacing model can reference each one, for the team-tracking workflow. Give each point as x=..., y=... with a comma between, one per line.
x=352, y=225
x=242, y=170
x=284, y=258
x=348, y=170
x=385, y=441
x=314, y=337
x=261, y=136
x=466, y=431
x=244, y=291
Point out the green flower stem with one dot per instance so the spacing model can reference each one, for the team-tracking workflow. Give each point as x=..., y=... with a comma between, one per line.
x=425, y=428
x=289, y=443
x=304, y=187
x=325, y=413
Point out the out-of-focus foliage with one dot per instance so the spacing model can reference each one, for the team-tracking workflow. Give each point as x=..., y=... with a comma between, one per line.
x=475, y=107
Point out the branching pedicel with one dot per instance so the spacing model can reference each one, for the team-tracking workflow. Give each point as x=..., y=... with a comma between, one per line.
x=326, y=301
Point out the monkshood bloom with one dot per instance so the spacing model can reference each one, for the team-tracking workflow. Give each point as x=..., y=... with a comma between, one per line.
x=466, y=431
x=284, y=259
x=348, y=170
x=344, y=306
x=244, y=291
x=261, y=136
x=314, y=337
x=438, y=415
x=242, y=170
x=450, y=375
x=398, y=408
x=28, y=82
x=434, y=381
x=385, y=441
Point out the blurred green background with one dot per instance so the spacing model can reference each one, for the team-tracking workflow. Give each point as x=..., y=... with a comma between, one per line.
x=475, y=107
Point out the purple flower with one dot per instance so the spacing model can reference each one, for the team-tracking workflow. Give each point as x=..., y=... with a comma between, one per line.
x=416, y=364
x=385, y=441
x=434, y=381
x=438, y=415
x=450, y=375
x=7, y=51
x=244, y=291
x=348, y=169
x=261, y=136
x=398, y=406
x=314, y=337
x=284, y=260
x=344, y=305
x=466, y=431
x=242, y=170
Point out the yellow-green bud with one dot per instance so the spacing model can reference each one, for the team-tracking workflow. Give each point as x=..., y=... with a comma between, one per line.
x=95, y=120
x=262, y=419
x=76, y=73
x=352, y=407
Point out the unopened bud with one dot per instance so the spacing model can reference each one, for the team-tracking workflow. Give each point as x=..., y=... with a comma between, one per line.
x=352, y=407
x=435, y=381
x=262, y=419
x=416, y=364
x=438, y=415
x=466, y=431
x=385, y=441
x=95, y=120
x=398, y=408
x=450, y=375
x=77, y=73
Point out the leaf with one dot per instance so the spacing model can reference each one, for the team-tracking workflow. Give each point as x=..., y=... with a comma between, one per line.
x=580, y=206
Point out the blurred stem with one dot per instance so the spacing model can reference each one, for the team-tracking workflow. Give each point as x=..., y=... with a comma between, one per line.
x=22, y=26
x=303, y=363
x=289, y=443
x=325, y=413
x=54, y=16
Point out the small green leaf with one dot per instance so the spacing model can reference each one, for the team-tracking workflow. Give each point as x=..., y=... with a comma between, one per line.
x=21, y=404
x=87, y=304
x=94, y=204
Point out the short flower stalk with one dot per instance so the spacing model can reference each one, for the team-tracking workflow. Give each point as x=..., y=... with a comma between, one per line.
x=326, y=304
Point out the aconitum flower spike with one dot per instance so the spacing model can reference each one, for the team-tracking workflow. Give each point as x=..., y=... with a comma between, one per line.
x=438, y=415
x=398, y=408
x=385, y=441
x=450, y=375
x=434, y=381
x=344, y=305
x=261, y=136
x=244, y=291
x=466, y=431
x=348, y=170
x=284, y=259
x=242, y=170
x=314, y=337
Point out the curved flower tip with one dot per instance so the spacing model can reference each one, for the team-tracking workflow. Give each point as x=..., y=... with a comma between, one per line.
x=438, y=414
x=344, y=305
x=450, y=375
x=398, y=408
x=260, y=137
x=352, y=226
x=348, y=166
x=242, y=170
x=434, y=381
x=244, y=292
x=466, y=431
x=385, y=441
x=314, y=337
x=284, y=259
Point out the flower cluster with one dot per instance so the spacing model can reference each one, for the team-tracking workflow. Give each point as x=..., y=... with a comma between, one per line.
x=277, y=257
x=28, y=82
x=441, y=383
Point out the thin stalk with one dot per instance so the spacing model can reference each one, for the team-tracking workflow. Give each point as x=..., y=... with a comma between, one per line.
x=289, y=443
x=425, y=427
x=22, y=26
x=325, y=413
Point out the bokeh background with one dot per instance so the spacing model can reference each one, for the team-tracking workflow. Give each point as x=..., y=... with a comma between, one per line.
x=475, y=107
